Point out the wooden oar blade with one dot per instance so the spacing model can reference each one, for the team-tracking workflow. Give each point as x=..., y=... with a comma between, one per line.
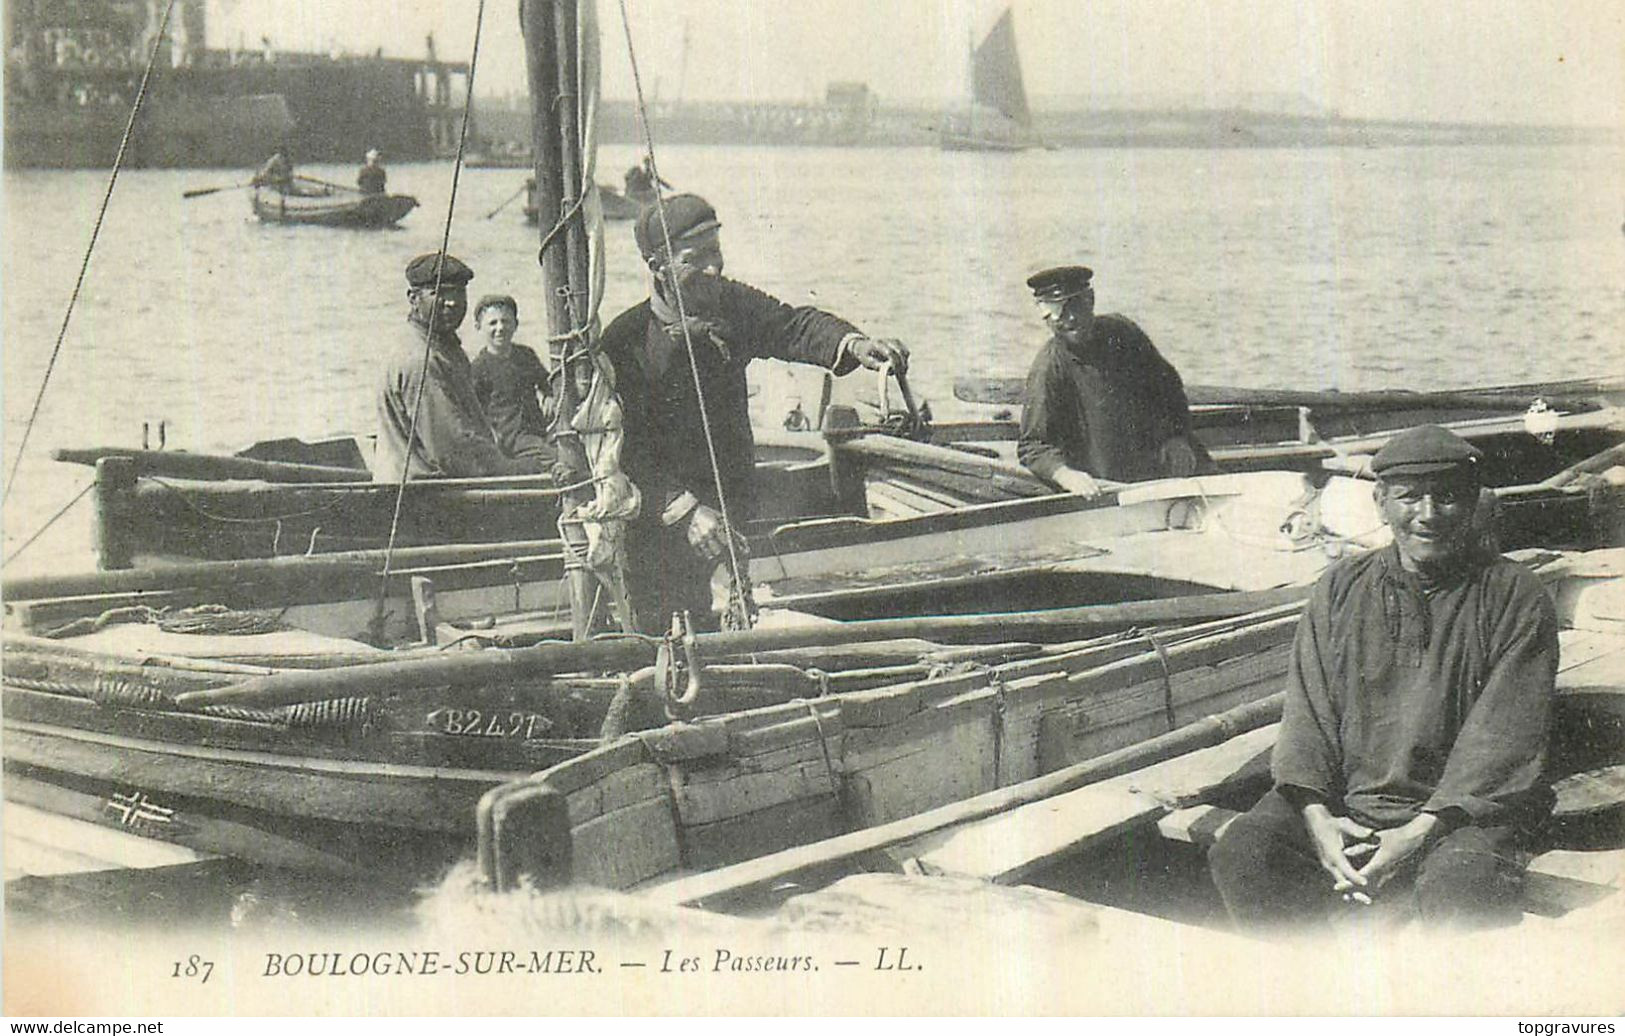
x=202, y=191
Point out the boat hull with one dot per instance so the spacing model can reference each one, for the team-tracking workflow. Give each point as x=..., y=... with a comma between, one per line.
x=372, y=212
x=965, y=142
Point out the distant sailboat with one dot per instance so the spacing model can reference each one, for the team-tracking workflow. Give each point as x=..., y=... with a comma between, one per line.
x=998, y=118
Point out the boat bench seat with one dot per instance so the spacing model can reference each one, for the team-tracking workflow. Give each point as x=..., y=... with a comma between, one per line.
x=1558, y=881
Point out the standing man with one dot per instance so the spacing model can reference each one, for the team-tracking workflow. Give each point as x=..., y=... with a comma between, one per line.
x=1101, y=402
x=677, y=542
x=371, y=178
x=510, y=382
x=1409, y=767
x=451, y=437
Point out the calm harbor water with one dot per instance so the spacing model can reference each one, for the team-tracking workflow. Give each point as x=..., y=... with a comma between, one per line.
x=1349, y=268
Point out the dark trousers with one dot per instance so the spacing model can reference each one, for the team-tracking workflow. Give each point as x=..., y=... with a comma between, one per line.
x=1269, y=877
x=663, y=576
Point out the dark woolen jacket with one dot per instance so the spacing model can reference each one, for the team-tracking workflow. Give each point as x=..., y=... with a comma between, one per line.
x=1105, y=409
x=665, y=452
x=1403, y=698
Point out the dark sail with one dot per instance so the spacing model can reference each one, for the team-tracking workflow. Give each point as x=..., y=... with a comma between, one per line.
x=996, y=73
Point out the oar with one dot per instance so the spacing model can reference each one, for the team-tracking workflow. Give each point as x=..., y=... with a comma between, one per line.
x=505, y=204
x=553, y=657
x=201, y=191
x=329, y=184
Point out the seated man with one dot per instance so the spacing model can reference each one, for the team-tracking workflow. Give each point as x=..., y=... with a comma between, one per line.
x=277, y=173
x=426, y=376
x=674, y=546
x=1409, y=766
x=510, y=382
x=1101, y=402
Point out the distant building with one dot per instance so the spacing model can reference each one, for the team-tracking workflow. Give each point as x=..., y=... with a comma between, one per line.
x=852, y=97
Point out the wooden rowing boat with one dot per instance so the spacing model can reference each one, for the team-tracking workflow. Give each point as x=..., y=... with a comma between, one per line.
x=352, y=747
x=613, y=204
x=286, y=497
x=361, y=212
x=998, y=774
x=1528, y=432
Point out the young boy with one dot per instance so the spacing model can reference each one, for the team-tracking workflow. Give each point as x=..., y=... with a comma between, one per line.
x=510, y=382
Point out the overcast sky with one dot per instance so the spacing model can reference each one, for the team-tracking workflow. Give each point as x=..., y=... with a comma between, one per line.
x=1529, y=61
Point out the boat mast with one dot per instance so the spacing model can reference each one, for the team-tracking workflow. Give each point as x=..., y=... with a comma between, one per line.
x=549, y=28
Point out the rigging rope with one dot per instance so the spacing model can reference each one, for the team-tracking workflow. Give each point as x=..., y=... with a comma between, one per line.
x=734, y=567
x=48, y=523
x=428, y=338
x=84, y=266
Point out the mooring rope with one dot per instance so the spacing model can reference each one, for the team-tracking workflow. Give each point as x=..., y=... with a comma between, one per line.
x=735, y=568
x=428, y=338
x=84, y=266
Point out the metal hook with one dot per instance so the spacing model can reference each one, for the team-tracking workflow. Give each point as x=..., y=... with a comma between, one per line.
x=672, y=670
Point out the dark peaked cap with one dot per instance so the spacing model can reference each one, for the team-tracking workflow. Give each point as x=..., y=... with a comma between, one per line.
x=688, y=215
x=1423, y=450
x=1060, y=282
x=420, y=272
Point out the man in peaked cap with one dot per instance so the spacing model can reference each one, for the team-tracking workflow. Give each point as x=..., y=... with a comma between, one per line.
x=1100, y=402
x=1409, y=769
x=451, y=436
x=678, y=541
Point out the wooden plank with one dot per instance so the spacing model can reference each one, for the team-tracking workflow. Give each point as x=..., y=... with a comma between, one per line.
x=1196, y=825
x=1122, y=716
x=1026, y=703
x=684, y=741
x=575, y=774
x=421, y=798
x=733, y=792
x=625, y=846
x=880, y=707
x=207, y=835
x=809, y=720
x=40, y=844
x=1012, y=845
x=744, y=879
x=750, y=835
x=618, y=790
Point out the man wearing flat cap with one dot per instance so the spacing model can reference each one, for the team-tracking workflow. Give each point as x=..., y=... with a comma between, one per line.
x=1100, y=402
x=451, y=436
x=677, y=543
x=1409, y=767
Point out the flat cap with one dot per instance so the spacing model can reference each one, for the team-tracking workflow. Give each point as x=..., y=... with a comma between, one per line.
x=688, y=216
x=1425, y=450
x=1060, y=282
x=421, y=272
x=487, y=301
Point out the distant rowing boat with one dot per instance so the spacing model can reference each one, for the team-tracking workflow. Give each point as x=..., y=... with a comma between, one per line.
x=615, y=204
x=328, y=210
